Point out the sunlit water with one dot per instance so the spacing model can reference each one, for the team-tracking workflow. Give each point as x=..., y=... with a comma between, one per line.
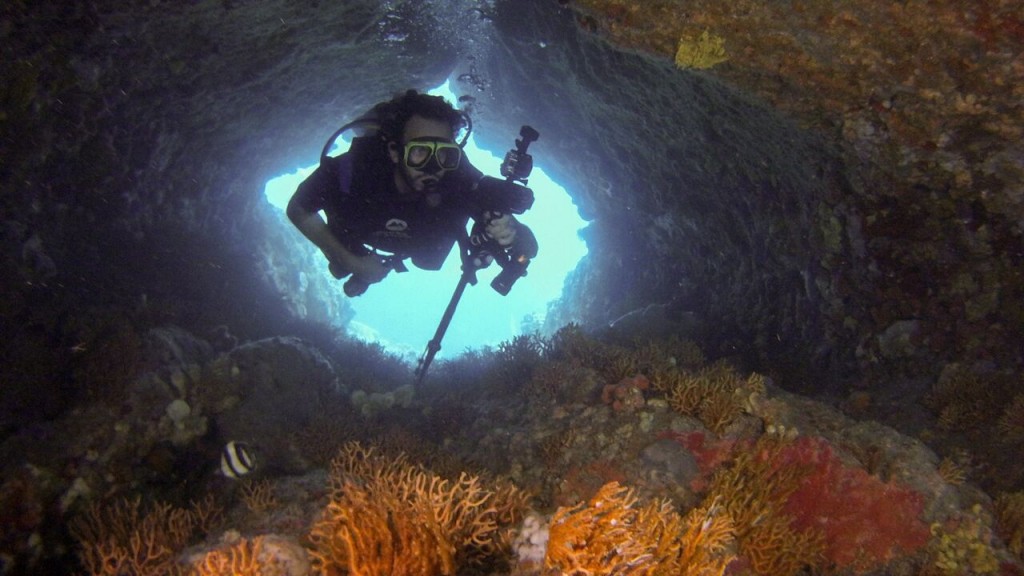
x=404, y=310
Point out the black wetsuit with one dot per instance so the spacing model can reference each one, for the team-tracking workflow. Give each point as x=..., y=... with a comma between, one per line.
x=363, y=206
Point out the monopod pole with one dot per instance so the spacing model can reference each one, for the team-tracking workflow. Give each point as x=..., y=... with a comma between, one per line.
x=434, y=346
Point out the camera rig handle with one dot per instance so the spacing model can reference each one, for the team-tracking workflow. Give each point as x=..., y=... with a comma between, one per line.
x=357, y=286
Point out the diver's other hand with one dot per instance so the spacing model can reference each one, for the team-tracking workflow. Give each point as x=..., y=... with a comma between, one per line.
x=370, y=269
x=501, y=228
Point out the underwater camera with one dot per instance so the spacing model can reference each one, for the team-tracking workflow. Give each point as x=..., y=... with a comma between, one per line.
x=509, y=196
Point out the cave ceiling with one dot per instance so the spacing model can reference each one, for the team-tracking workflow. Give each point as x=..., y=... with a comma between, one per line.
x=831, y=189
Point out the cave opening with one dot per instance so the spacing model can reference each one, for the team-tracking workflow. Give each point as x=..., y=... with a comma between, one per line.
x=402, y=312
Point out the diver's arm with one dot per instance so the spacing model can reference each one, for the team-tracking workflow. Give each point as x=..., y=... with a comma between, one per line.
x=312, y=225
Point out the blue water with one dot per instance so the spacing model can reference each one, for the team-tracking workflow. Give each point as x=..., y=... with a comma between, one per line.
x=403, y=311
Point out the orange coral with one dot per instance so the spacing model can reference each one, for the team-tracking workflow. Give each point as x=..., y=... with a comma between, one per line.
x=715, y=394
x=609, y=535
x=121, y=539
x=242, y=559
x=388, y=517
x=258, y=495
x=376, y=533
x=702, y=548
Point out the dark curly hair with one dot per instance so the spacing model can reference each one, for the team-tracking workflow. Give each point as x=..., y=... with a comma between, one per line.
x=394, y=113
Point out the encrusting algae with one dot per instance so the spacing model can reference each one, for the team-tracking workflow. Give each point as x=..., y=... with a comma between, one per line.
x=701, y=53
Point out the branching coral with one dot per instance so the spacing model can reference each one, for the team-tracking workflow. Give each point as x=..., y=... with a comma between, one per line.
x=952, y=472
x=124, y=539
x=755, y=491
x=1011, y=423
x=570, y=343
x=958, y=398
x=609, y=535
x=373, y=532
x=242, y=559
x=968, y=399
x=795, y=504
x=388, y=517
x=258, y=495
x=716, y=394
x=1010, y=521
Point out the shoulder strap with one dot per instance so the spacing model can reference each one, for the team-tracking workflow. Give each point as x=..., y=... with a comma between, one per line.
x=369, y=165
x=341, y=167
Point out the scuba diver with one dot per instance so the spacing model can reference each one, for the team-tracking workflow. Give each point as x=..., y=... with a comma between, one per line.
x=405, y=190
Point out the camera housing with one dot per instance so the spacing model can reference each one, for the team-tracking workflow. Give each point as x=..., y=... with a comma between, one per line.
x=504, y=195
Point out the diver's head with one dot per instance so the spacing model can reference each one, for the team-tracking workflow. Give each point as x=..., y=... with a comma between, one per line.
x=425, y=152
x=396, y=113
x=420, y=130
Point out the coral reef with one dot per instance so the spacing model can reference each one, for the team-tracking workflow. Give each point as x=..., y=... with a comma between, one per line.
x=716, y=394
x=258, y=495
x=126, y=538
x=963, y=546
x=1010, y=521
x=610, y=535
x=922, y=98
x=866, y=522
x=1011, y=423
x=241, y=559
x=760, y=498
x=755, y=491
x=627, y=395
x=974, y=404
x=388, y=517
x=268, y=555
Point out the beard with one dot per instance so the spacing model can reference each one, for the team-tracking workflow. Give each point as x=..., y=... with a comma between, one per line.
x=419, y=181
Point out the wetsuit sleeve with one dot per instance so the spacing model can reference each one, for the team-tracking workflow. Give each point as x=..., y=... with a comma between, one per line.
x=313, y=193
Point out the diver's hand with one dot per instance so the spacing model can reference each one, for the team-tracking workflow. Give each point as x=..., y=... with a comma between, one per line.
x=370, y=269
x=501, y=228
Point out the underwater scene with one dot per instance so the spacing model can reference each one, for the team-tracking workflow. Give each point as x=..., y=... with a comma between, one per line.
x=773, y=324
x=568, y=454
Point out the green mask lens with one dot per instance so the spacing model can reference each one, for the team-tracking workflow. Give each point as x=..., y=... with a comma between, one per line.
x=419, y=152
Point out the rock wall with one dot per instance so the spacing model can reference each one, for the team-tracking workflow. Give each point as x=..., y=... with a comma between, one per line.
x=699, y=194
x=137, y=136
x=836, y=187
x=136, y=139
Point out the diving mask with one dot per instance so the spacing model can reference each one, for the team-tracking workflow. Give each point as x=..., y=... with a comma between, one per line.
x=419, y=152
